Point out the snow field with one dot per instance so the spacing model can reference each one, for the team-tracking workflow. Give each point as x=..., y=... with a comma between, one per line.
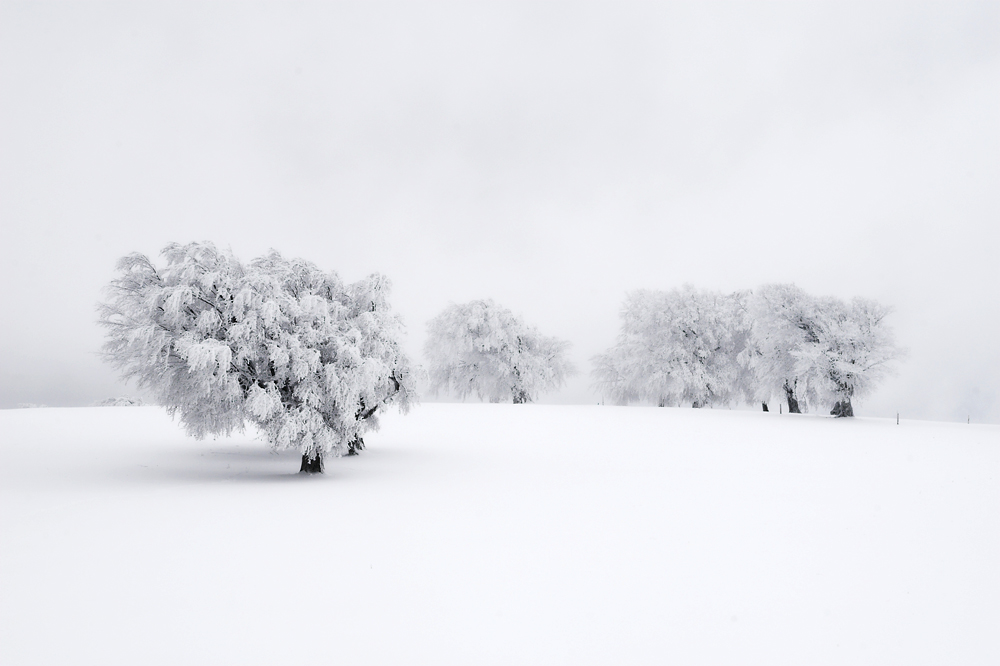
x=478, y=533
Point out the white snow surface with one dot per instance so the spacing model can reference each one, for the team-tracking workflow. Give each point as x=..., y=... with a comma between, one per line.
x=495, y=534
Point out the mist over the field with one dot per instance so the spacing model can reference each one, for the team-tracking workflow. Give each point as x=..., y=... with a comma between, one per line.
x=552, y=157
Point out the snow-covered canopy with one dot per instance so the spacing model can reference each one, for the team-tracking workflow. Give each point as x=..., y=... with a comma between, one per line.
x=483, y=349
x=277, y=342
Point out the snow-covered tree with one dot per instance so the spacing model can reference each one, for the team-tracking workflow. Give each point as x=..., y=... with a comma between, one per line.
x=853, y=353
x=676, y=347
x=702, y=348
x=784, y=327
x=278, y=343
x=483, y=349
x=813, y=350
x=743, y=347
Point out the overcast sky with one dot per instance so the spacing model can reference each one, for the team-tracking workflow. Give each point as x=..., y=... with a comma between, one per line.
x=552, y=157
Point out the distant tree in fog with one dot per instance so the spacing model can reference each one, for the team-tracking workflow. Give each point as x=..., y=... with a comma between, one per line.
x=277, y=343
x=676, y=347
x=483, y=349
x=123, y=401
x=703, y=348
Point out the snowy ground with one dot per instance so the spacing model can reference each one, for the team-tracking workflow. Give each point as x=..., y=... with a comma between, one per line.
x=503, y=534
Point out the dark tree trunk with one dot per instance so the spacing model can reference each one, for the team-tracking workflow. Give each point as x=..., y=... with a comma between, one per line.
x=764, y=405
x=312, y=465
x=357, y=444
x=843, y=408
x=793, y=403
x=696, y=405
x=521, y=398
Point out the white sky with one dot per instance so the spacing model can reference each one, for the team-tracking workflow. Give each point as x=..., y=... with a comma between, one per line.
x=549, y=156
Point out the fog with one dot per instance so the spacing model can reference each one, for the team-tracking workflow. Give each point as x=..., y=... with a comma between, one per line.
x=552, y=157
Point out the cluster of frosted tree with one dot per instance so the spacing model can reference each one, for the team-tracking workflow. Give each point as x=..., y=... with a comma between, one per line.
x=703, y=348
x=277, y=343
x=122, y=401
x=481, y=348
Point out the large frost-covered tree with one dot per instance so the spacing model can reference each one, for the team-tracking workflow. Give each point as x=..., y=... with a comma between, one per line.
x=676, y=347
x=483, y=349
x=278, y=343
x=813, y=350
x=784, y=327
x=853, y=353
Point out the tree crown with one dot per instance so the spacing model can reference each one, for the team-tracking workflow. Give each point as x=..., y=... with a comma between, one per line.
x=480, y=348
x=278, y=343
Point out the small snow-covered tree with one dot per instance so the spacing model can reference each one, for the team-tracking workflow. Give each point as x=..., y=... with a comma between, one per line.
x=676, y=347
x=853, y=351
x=277, y=343
x=483, y=349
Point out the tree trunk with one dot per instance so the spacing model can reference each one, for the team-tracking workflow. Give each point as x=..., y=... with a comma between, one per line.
x=357, y=444
x=696, y=405
x=521, y=397
x=764, y=405
x=793, y=403
x=843, y=408
x=313, y=465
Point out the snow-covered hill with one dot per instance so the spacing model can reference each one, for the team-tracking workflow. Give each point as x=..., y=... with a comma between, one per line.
x=472, y=533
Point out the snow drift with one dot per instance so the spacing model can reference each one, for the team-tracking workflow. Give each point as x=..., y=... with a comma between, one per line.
x=471, y=533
